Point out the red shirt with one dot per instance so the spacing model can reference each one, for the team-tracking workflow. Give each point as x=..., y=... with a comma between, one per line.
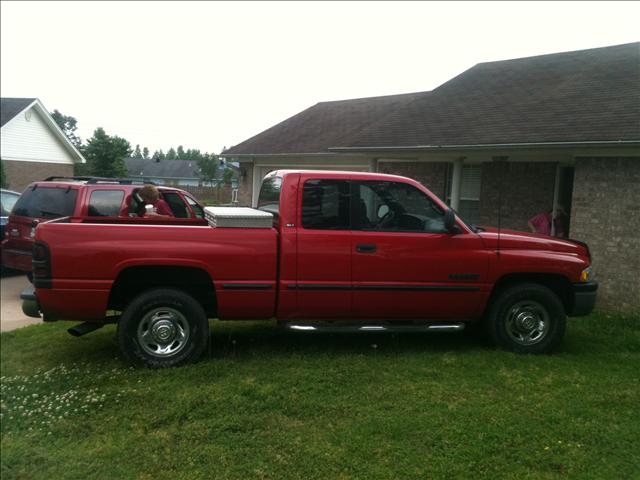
x=542, y=223
x=162, y=208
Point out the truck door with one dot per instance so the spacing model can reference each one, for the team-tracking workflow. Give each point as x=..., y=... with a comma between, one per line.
x=324, y=249
x=405, y=264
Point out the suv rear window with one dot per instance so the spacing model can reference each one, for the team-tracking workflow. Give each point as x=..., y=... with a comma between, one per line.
x=46, y=202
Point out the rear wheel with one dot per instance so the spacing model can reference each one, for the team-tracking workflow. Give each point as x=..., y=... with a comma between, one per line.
x=163, y=328
x=526, y=318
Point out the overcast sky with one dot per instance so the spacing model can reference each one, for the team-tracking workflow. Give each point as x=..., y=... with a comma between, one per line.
x=208, y=75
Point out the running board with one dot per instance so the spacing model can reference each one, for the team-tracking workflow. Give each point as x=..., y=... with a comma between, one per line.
x=431, y=327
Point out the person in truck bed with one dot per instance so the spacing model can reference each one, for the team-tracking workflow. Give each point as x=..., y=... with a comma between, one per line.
x=151, y=195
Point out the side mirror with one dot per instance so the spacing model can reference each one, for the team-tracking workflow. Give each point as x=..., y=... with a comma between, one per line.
x=450, y=221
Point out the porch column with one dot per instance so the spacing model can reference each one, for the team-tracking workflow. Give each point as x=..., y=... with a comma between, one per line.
x=556, y=193
x=456, y=183
x=257, y=181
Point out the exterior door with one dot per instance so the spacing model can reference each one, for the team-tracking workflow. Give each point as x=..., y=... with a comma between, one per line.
x=405, y=264
x=324, y=249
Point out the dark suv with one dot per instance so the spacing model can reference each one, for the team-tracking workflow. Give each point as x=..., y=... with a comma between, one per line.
x=96, y=198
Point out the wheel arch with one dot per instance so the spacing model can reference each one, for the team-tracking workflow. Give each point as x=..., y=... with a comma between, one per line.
x=558, y=284
x=134, y=280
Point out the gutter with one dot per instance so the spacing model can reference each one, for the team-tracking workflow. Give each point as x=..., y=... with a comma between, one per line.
x=487, y=146
x=259, y=155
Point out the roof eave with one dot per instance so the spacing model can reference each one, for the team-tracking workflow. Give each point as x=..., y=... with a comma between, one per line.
x=57, y=131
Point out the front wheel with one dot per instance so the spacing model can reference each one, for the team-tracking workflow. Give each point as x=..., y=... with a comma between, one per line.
x=163, y=328
x=526, y=318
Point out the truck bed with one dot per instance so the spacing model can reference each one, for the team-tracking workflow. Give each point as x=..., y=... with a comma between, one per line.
x=241, y=263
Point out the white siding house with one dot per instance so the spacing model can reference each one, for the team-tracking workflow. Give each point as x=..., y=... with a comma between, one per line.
x=32, y=146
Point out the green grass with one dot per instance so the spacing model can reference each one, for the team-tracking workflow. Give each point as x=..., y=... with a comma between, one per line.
x=272, y=404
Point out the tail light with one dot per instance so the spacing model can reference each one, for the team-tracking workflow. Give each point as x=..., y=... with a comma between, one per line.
x=41, y=261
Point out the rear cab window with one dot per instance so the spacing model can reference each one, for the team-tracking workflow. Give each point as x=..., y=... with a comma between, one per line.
x=46, y=202
x=269, y=198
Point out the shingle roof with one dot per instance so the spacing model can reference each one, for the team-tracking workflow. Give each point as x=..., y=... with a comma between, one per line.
x=162, y=169
x=581, y=96
x=10, y=107
x=326, y=124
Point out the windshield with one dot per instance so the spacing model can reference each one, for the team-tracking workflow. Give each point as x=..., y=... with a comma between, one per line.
x=46, y=202
x=7, y=201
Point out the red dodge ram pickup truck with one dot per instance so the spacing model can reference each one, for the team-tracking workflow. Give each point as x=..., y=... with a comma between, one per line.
x=344, y=251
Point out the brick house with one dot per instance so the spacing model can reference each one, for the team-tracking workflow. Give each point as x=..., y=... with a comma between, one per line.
x=516, y=136
x=32, y=146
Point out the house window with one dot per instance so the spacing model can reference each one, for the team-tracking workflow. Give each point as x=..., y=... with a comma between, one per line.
x=469, y=208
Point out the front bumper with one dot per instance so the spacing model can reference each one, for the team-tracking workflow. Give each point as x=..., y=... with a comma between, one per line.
x=30, y=305
x=584, y=298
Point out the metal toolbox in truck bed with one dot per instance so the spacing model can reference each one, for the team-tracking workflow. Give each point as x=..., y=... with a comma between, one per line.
x=237, y=217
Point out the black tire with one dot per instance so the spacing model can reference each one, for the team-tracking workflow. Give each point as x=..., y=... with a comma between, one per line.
x=526, y=318
x=163, y=313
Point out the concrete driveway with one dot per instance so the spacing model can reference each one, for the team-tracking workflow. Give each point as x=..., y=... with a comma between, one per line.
x=11, y=316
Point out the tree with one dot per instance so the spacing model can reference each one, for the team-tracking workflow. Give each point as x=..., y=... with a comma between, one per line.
x=159, y=155
x=4, y=183
x=68, y=125
x=105, y=154
x=145, y=153
x=137, y=153
x=208, y=164
x=180, y=153
x=171, y=154
x=227, y=176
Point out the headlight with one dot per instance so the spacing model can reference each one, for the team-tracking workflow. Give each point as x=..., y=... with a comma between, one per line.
x=586, y=274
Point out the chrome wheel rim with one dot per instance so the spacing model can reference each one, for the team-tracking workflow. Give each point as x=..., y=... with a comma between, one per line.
x=527, y=322
x=163, y=332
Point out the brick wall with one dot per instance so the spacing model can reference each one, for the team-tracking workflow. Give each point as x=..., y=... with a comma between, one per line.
x=606, y=215
x=431, y=174
x=21, y=174
x=524, y=189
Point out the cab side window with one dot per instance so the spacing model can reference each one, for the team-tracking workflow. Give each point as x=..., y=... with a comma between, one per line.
x=325, y=205
x=105, y=203
x=176, y=204
x=394, y=207
x=197, y=209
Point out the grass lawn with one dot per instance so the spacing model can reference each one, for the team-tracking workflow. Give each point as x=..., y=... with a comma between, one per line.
x=274, y=404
